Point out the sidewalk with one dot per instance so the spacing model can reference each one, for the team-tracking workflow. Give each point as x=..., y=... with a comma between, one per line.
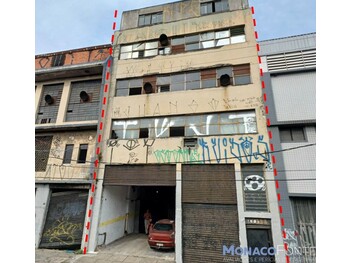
x=130, y=249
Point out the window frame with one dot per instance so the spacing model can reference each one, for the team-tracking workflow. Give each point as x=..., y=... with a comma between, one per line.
x=68, y=153
x=158, y=16
x=80, y=153
x=290, y=131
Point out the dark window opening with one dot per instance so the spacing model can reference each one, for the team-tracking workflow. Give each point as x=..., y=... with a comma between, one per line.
x=82, y=153
x=143, y=133
x=68, y=154
x=114, y=135
x=177, y=131
x=164, y=88
x=214, y=6
x=135, y=91
x=237, y=31
x=58, y=60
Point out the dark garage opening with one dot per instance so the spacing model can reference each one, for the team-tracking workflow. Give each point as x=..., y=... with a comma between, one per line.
x=160, y=200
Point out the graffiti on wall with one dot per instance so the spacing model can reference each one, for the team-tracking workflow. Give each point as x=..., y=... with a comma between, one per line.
x=169, y=107
x=63, y=231
x=67, y=172
x=179, y=155
x=245, y=150
x=220, y=150
x=294, y=250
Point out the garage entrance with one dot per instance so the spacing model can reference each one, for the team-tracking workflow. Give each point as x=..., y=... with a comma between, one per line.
x=128, y=191
x=160, y=200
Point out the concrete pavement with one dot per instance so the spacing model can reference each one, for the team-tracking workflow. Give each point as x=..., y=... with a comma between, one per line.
x=130, y=249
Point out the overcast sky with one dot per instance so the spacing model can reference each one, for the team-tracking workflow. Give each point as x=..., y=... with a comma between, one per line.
x=69, y=24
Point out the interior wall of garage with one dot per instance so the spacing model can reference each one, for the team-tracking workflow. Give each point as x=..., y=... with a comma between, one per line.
x=117, y=213
x=42, y=199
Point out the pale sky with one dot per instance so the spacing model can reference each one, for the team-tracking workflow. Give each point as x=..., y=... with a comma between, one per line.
x=69, y=24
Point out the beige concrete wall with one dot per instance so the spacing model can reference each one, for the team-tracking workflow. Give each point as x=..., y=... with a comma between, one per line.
x=245, y=148
x=220, y=99
x=55, y=170
x=187, y=26
x=179, y=10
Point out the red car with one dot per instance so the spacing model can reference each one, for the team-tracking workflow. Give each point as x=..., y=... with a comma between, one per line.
x=162, y=234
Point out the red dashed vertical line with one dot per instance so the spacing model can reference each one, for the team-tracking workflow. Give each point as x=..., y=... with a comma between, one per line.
x=270, y=133
x=99, y=138
x=268, y=123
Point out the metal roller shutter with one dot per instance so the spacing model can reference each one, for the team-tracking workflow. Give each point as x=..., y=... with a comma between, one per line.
x=209, y=184
x=206, y=228
x=65, y=220
x=210, y=217
x=153, y=175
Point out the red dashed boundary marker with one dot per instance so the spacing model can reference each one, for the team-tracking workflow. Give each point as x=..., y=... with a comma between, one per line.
x=100, y=131
x=268, y=123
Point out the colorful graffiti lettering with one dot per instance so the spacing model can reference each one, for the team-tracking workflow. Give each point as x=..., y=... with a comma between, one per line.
x=180, y=155
x=221, y=150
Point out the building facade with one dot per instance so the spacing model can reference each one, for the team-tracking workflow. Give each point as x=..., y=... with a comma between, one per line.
x=289, y=66
x=67, y=102
x=185, y=134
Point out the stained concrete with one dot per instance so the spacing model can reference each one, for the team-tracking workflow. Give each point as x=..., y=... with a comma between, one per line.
x=129, y=249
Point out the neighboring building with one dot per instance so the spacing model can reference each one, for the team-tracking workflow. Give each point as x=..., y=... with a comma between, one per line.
x=185, y=133
x=289, y=66
x=67, y=100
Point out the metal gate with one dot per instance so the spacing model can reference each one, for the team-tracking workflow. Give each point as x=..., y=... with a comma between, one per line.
x=65, y=220
x=143, y=175
x=209, y=209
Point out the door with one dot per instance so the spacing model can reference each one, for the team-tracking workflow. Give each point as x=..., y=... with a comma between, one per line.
x=259, y=241
x=65, y=220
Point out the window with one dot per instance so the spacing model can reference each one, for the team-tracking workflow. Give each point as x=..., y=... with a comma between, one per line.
x=150, y=19
x=129, y=87
x=143, y=133
x=192, y=80
x=135, y=91
x=180, y=44
x=208, y=78
x=228, y=123
x=141, y=50
x=241, y=74
x=58, y=60
x=82, y=153
x=67, y=158
x=42, y=152
x=214, y=7
x=292, y=134
x=177, y=131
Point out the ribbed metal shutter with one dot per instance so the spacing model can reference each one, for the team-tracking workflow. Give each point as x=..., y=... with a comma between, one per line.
x=209, y=184
x=209, y=209
x=65, y=220
x=149, y=174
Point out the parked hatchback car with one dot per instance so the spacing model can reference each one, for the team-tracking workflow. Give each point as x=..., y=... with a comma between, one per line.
x=162, y=234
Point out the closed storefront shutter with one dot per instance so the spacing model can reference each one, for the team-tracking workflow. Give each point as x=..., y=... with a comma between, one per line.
x=65, y=220
x=140, y=175
x=210, y=217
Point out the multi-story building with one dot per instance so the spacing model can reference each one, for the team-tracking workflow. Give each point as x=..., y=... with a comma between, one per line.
x=185, y=133
x=289, y=66
x=67, y=102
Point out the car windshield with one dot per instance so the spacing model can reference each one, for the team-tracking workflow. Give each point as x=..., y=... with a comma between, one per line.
x=163, y=227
